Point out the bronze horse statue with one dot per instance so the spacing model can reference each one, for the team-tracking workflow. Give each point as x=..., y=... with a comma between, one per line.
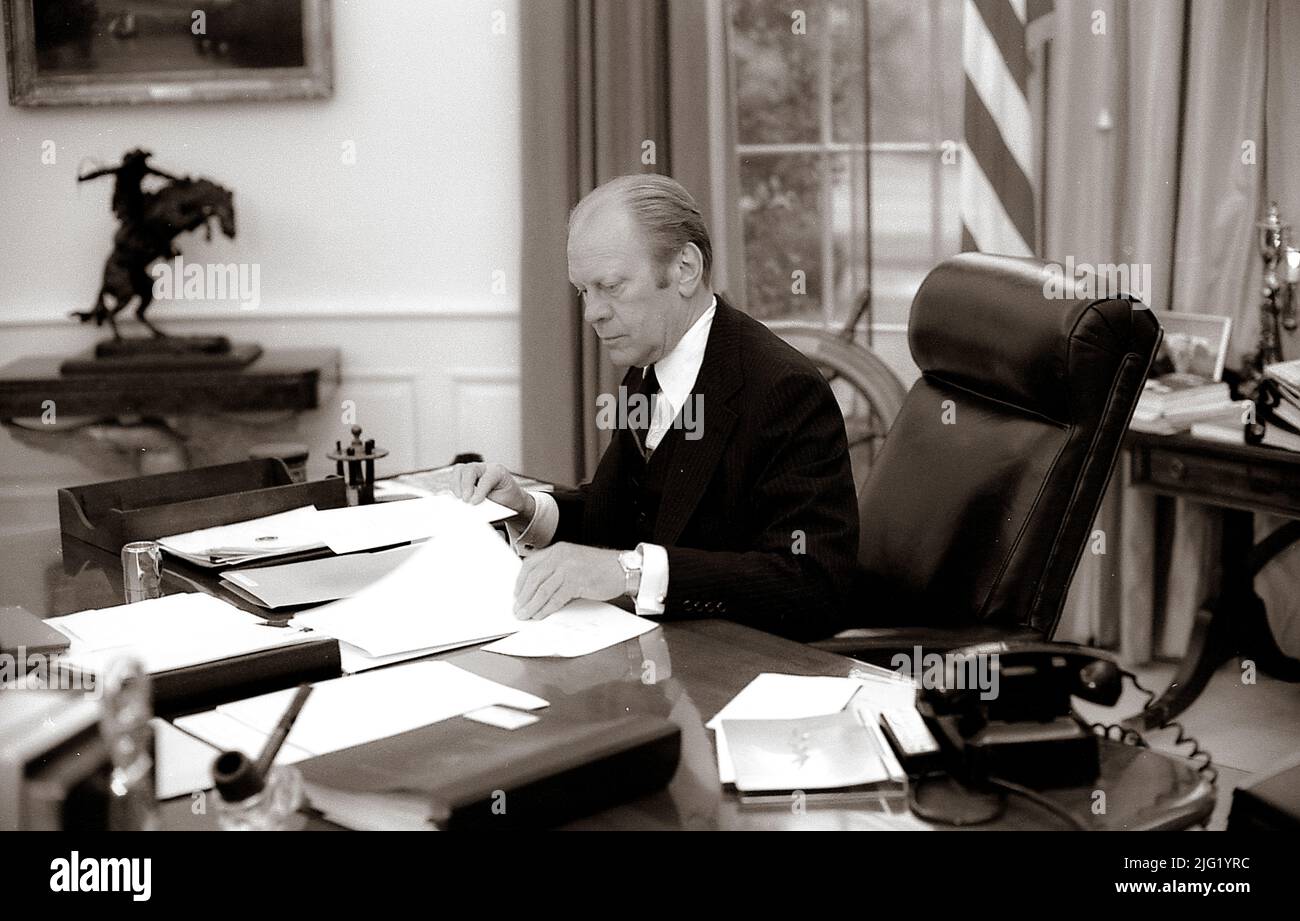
x=150, y=222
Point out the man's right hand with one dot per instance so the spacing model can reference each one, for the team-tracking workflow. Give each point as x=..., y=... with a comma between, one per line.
x=475, y=482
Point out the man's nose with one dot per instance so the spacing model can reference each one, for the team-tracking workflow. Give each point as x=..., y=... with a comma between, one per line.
x=594, y=309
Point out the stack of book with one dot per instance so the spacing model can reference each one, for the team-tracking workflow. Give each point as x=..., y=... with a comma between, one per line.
x=1286, y=374
x=1282, y=423
x=1175, y=402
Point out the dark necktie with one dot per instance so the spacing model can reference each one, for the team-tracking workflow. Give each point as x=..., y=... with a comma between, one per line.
x=641, y=418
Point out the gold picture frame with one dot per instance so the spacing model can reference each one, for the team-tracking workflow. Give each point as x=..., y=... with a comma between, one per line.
x=138, y=52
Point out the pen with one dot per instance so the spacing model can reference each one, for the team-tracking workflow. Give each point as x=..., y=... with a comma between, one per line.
x=281, y=731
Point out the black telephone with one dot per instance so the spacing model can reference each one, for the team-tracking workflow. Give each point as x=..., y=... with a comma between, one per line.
x=1003, y=711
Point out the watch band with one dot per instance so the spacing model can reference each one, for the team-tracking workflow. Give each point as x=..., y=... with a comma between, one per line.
x=629, y=571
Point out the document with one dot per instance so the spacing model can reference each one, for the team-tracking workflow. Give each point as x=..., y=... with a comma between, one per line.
x=773, y=696
x=314, y=581
x=225, y=733
x=356, y=709
x=183, y=763
x=456, y=589
x=577, y=629
x=832, y=752
x=175, y=631
x=342, y=530
x=440, y=481
x=388, y=811
x=364, y=527
x=247, y=541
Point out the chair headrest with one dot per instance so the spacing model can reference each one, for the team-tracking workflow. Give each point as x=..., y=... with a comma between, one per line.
x=996, y=325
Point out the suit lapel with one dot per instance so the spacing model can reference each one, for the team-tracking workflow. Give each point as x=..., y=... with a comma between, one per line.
x=694, y=461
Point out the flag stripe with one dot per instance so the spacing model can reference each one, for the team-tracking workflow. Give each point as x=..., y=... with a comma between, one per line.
x=1008, y=33
x=1038, y=8
x=1003, y=99
x=988, y=147
x=988, y=227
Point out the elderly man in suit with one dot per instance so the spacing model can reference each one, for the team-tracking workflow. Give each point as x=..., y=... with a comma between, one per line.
x=726, y=489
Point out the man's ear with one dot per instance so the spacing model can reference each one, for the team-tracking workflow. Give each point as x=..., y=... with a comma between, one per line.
x=690, y=270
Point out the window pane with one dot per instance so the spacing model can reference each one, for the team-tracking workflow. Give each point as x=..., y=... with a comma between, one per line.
x=849, y=225
x=901, y=231
x=848, y=85
x=901, y=69
x=776, y=70
x=780, y=211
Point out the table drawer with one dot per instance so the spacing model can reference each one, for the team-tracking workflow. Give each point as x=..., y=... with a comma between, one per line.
x=1184, y=472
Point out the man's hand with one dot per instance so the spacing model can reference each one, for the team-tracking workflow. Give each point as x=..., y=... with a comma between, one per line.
x=553, y=577
x=473, y=483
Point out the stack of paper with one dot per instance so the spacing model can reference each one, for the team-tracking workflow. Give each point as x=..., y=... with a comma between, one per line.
x=344, y=712
x=455, y=590
x=175, y=631
x=341, y=530
x=837, y=752
x=314, y=581
x=246, y=541
x=1174, y=402
x=773, y=696
x=440, y=481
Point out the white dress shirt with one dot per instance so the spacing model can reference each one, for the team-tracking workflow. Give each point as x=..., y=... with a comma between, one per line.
x=677, y=372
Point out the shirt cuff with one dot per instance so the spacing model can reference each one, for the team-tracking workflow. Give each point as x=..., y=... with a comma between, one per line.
x=540, y=531
x=654, y=580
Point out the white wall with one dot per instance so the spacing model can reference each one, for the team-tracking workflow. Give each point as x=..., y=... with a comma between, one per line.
x=390, y=259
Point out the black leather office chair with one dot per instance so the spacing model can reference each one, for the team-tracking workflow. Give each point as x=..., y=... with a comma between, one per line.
x=983, y=497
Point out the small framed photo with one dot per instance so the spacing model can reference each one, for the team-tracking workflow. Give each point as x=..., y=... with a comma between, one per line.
x=104, y=52
x=1194, y=344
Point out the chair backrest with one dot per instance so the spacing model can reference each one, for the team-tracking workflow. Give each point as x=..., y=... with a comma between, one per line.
x=984, y=495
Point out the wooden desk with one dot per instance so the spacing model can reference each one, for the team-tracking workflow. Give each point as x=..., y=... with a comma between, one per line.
x=698, y=667
x=278, y=380
x=1238, y=480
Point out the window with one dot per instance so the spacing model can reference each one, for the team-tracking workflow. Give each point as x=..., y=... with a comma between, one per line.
x=801, y=151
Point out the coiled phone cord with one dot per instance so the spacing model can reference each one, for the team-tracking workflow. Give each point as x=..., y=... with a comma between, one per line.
x=1119, y=733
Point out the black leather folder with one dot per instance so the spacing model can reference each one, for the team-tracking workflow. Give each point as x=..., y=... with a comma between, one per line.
x=480, y=777
x=201, y=687
x=1269, y=803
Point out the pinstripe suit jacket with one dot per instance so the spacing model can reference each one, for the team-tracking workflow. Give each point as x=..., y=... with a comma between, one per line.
x=759, y=514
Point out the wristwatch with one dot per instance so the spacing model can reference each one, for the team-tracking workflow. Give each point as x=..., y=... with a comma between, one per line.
x=631, y=561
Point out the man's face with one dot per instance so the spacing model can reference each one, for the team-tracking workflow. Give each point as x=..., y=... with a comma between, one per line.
x=610, y=265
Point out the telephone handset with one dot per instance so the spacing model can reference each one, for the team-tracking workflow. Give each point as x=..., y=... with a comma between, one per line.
x=1003, y=711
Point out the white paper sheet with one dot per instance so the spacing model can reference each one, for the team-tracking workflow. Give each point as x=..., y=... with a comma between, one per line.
x=577, y=629
x=356, y=709
x=183, y=764
x=772, y=696
x=458, y=588
x=271, y=535
x=315, y=581
x=174, y=631
x=390, y=811
x=364, y=527
x=225, y=733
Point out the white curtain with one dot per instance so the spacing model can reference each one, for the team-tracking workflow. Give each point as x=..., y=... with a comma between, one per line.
x=1156, y=152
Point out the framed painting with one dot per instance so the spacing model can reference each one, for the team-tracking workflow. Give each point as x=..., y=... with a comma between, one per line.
x=104, y=52
x=1194, y=343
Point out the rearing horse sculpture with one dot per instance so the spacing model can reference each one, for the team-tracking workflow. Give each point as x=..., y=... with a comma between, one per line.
x=150, y=222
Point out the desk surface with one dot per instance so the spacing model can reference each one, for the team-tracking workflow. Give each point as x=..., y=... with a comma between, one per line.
x=698, y=667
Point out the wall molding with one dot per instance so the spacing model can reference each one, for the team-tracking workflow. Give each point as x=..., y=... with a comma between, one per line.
x=201, y=315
